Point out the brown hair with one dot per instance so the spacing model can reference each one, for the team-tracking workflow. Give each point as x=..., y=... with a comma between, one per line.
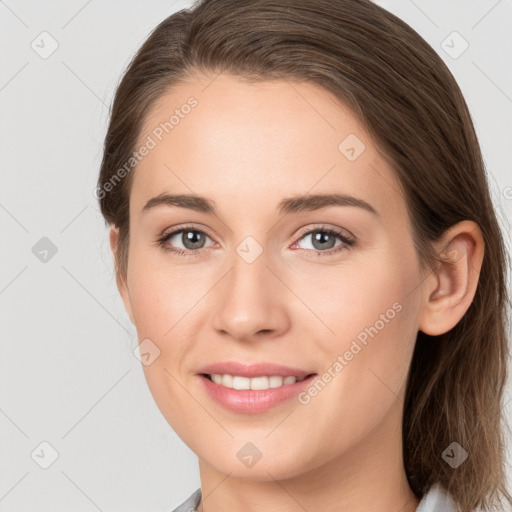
x=411, y=105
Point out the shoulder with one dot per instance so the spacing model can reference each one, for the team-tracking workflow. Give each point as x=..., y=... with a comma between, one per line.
x=436, y=499
x=190, y=505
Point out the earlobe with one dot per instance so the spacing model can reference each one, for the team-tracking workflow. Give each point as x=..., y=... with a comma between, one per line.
x=449, y=291
x=120, y=280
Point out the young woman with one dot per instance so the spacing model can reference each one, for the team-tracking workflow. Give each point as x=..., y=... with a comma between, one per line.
x=364, y=375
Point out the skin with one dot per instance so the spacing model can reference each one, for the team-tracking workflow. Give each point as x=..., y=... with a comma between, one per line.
x=248, y=146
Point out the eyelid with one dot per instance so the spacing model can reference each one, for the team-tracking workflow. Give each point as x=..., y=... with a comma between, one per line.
x=185, y=227
x=320, y=227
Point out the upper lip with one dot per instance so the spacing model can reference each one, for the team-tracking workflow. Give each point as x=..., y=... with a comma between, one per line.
x=252, y=370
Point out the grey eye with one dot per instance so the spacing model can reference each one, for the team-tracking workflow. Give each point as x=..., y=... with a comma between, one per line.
x=190, y=238
x=322, y=239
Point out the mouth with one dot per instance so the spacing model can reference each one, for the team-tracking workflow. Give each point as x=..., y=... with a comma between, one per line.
x=253, y=387
x=259, y=383
x=253, y=395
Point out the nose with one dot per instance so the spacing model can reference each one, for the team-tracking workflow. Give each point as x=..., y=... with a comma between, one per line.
x=251, y=301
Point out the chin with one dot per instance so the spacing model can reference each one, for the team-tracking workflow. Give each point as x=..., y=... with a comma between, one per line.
x=271, y=466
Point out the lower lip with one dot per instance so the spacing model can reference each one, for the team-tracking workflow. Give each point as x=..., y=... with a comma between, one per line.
x=253, y=401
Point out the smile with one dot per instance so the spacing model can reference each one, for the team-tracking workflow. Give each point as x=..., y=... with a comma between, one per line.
x=258, y=383
x=253, y=395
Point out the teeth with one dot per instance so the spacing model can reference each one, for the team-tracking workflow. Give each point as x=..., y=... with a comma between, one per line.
x=239, y=382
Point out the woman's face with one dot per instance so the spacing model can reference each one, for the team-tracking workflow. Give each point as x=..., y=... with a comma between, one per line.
x=257, y=283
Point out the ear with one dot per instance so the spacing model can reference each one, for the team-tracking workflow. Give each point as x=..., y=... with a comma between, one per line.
x=120, y=279
x=449, y=290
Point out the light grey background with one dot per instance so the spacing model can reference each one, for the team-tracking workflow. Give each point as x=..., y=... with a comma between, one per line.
x=67, y=372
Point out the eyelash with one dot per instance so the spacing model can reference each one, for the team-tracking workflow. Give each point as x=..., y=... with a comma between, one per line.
x=347, y=242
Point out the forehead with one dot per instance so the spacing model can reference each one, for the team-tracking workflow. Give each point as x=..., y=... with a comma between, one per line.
x=221, y=137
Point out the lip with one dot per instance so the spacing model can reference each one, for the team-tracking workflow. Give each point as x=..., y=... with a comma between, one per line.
x=253, y=370
x=252, y=401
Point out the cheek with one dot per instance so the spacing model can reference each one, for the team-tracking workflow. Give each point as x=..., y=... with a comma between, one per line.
x=365, y=328
x=163, y=307
x=167, y=299
x=162, y=295
x=365, y=290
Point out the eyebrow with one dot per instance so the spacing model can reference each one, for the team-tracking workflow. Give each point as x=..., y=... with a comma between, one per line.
x=294, y=204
